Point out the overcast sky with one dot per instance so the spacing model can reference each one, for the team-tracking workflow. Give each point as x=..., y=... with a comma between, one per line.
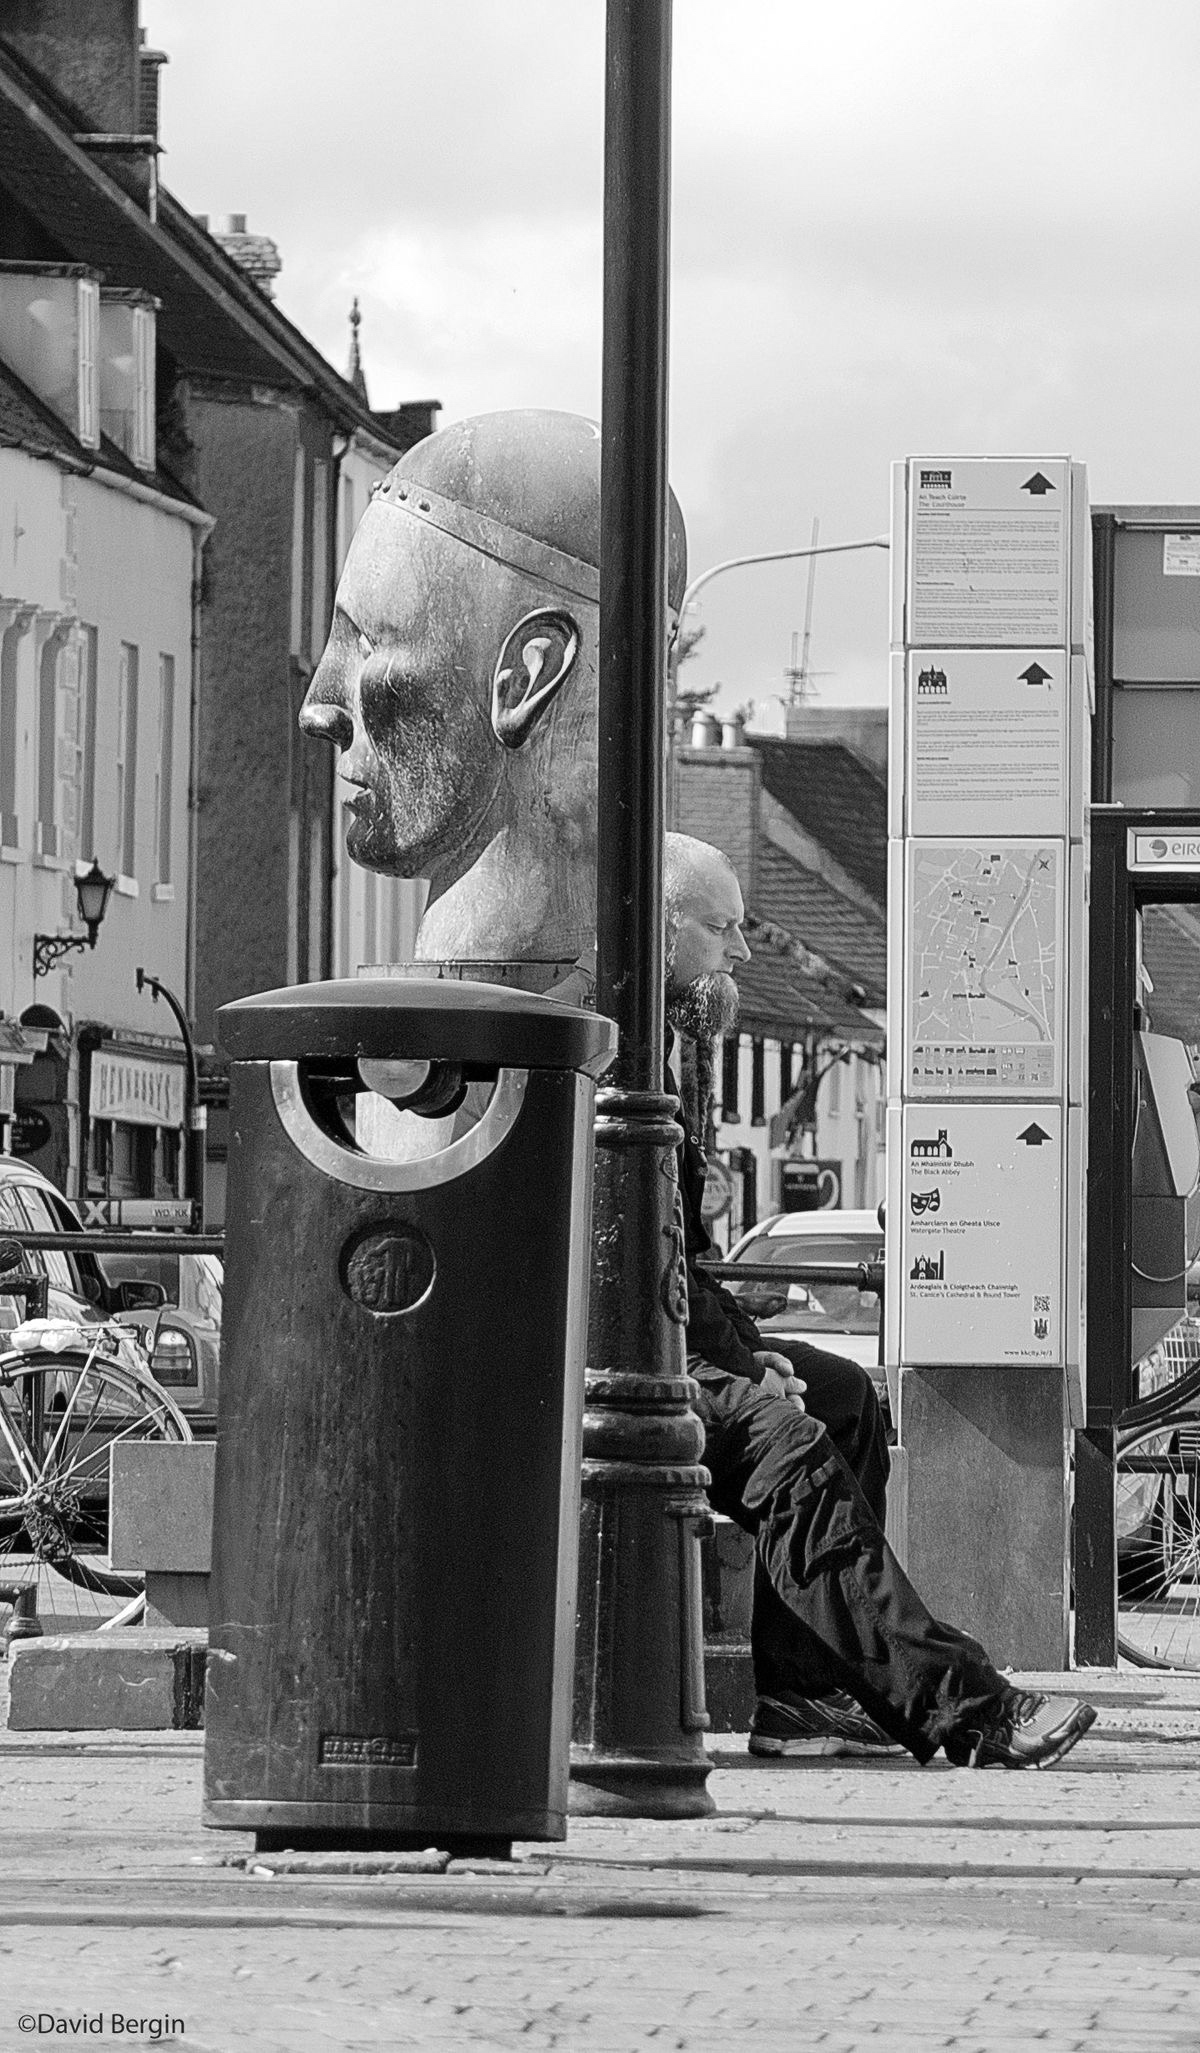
x=937, y=227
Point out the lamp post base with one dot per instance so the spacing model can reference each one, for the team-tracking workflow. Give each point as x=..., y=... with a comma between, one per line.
x=640, y=1718
x=629, y=1786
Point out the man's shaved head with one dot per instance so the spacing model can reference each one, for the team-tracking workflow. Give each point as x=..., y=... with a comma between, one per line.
x=689, y=868
x=702, y=903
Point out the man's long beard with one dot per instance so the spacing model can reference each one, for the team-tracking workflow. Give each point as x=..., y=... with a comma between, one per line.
x=706, y=1007
x=698, y=1012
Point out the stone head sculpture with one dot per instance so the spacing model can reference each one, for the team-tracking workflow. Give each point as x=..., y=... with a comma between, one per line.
x=459, y=682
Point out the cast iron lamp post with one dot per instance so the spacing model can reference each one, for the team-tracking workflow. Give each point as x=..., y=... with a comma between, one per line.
x=639, y=1691
x=93, y=891
x=195, y=1114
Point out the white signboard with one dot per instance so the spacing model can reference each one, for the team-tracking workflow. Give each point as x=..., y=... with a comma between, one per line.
x=132, y=1088
x=987, y=742
x=980, y=1238
x=983, y=984
x=132, y=1213
x=988, y=552
x=1181, y=555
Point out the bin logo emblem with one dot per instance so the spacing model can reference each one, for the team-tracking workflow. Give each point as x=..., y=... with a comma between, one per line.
x=388, y=1270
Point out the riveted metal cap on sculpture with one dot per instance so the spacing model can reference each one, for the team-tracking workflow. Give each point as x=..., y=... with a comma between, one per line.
x=523, y=488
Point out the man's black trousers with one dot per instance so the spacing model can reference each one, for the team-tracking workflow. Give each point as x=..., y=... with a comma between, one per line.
x=833, y=1609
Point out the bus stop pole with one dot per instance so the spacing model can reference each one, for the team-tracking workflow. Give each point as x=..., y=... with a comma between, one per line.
x=639, y=1698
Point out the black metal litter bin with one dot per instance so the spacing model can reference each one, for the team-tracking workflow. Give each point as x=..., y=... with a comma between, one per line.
x=398, y=1451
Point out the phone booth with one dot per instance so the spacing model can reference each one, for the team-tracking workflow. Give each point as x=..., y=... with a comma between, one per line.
x=1137, y=1577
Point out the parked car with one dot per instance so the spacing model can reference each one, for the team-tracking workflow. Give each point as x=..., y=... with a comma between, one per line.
x=179, y=1293
x=187, y=1346
x=840, y=1317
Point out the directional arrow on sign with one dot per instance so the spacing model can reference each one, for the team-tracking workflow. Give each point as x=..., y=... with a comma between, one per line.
x=1038, y=486
x=1035, y=675
x=1034, y=1135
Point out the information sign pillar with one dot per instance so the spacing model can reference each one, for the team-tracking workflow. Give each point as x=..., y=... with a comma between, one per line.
x=986, y=994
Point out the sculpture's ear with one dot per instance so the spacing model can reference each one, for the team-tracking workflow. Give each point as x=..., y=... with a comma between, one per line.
x=532, y=668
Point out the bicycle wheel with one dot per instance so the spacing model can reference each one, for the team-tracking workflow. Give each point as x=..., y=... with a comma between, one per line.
x=1158, y=1544
x=60, y=1414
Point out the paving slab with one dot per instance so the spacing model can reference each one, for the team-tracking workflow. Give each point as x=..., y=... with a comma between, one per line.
x=855, y=1907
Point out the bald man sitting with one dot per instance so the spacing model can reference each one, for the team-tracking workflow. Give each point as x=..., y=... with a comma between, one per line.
x=847, y=1660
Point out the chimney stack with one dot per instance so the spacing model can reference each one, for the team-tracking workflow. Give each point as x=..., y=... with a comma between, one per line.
x=257, y=255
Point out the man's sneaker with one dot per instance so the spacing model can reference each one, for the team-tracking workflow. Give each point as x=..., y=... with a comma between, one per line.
x=826, y=1726
x=1027, y=1731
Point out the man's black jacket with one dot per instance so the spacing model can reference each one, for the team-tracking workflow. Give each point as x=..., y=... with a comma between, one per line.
x=717, y=1327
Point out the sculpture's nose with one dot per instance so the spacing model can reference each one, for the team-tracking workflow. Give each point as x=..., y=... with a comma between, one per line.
x=327, y=723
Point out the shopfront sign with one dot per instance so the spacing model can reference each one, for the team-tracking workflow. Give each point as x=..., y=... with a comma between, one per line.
x=136, y=1090
x=1178, y=853
x=28, y=1131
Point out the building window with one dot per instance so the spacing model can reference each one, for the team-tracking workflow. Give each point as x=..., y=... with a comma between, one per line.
x=370, y=905
x=320, y=559
x=47, y=749
x=89, y=381
x=786, y=1049
x=127, y=723
x=166, y=758
x=758, y=1090
x=143, y=451
x=293, y=896
x=316, y=897
x=833, y=1099
x=298, y=556
x=730, y=1050
x=347, y=518
x=89, y=689
x=10, y=829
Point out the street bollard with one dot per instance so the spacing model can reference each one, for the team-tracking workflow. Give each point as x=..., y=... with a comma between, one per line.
x=397, y=1481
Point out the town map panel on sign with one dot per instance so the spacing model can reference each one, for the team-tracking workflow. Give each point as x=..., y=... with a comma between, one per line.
x=984, y=987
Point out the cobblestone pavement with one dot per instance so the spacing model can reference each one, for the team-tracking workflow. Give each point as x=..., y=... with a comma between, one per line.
x=841, y=1906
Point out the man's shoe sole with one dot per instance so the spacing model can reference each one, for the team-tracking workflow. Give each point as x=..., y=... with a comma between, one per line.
x=828, y=1748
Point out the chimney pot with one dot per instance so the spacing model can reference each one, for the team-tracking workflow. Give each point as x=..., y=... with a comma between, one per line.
x=704, y=731
x=733, y=732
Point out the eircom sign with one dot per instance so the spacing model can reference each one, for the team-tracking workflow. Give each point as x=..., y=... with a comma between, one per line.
x=1171, y=852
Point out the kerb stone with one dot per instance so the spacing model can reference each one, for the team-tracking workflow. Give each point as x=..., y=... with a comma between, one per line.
x=133, y=1679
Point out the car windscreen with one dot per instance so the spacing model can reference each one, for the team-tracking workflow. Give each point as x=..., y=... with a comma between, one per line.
x=193, y=1282
x=811, y=1307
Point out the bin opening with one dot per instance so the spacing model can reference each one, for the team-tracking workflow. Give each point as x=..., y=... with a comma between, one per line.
x=346, y=1098
x=411, y=1084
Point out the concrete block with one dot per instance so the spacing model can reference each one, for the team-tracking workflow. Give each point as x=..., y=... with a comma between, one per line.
x=176, y=1599
x=988, y=1526
x=161, y=1506
x=129, y=1680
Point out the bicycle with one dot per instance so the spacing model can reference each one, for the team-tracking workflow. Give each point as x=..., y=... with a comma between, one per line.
x=69, y=1393
x=1158, y=1511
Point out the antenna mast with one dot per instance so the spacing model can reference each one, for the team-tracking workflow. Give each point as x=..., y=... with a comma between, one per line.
x=799, y=675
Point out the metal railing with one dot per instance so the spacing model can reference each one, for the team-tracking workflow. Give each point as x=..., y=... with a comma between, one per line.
x=102, y=1242
x=867, y=1276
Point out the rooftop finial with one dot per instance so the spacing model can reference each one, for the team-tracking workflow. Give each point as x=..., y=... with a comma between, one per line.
x=354, y=370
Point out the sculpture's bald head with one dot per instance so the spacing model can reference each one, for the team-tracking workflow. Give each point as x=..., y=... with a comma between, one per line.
x=460, y=676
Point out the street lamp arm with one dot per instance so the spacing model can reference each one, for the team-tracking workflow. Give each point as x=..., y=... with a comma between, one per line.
x=777, y=556
x=196, y=1117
